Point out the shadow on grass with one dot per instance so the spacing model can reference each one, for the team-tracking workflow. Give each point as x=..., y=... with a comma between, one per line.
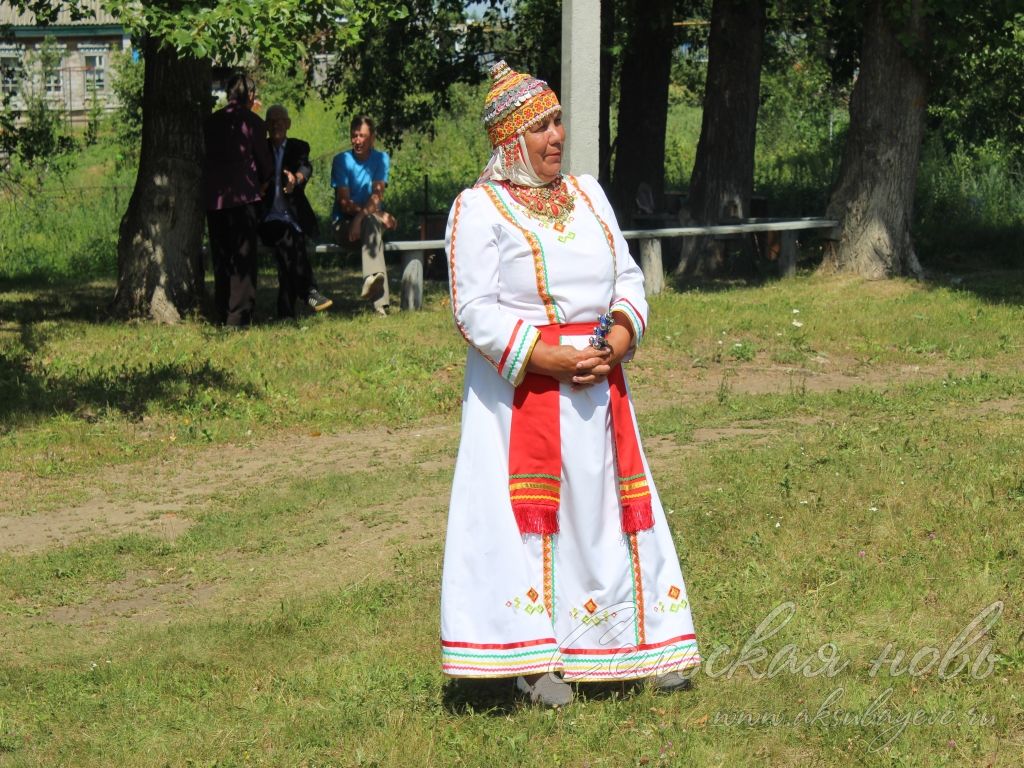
x=46, y=300
x=995, y=286
x=499, y=697
x=986, y=280
x=30, y=386
x=49, y=301
x=30, y=390
x=496, y=697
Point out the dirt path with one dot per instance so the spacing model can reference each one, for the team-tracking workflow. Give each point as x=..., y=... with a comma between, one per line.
x=162, y=496
x=152, y=496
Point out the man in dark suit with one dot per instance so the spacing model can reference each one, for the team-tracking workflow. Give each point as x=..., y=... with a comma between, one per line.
x=288, y=218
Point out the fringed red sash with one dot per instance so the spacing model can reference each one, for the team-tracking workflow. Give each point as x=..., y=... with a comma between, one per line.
x=535, y=448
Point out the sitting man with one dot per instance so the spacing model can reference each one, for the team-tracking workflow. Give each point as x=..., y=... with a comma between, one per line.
x=359, y=177
x=288, y=218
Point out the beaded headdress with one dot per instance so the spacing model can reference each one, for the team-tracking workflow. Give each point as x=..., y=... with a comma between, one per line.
x=515, y=102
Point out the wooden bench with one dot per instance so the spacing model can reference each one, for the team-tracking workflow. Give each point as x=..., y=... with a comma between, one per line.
x=414, y=251
x=650, y=242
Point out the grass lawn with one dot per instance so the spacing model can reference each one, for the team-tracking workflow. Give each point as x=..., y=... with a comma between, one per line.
x=223, y=548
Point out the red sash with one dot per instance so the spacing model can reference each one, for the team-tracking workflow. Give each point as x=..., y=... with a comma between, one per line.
x=535, y=448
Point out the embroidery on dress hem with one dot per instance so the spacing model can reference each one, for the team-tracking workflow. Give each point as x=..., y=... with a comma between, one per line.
x=529, y=605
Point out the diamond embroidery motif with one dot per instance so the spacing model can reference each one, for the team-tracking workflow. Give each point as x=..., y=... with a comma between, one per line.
x=590, y=605
x=532, y=594
x=673, y=592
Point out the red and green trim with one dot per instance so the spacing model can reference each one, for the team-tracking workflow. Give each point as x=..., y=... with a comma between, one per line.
x=625, y=306
x=461, y=659
x=554, y=314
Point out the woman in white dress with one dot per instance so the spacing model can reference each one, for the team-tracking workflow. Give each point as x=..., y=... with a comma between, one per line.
x=558, y=558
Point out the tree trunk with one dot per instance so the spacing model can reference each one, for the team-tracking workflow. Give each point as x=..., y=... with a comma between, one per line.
x=159, y=262
x=643, y=103
x=723, y=172
x=874, y=197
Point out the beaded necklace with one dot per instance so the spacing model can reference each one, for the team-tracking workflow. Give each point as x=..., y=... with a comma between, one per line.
x=552, y=204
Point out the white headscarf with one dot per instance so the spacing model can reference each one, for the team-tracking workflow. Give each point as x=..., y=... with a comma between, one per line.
x=511, y=162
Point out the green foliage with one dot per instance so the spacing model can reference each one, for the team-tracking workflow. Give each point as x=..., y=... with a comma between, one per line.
x=981, y=97
x=532, y=37
x=800, y=132
x=402, y=69
x=275, y=32
x=34, y=136
x=129, y=76
x=452, y=156
x=969, y=206
x=63, y=223
x=681, y=136
x=689, y=74
x=94, y=117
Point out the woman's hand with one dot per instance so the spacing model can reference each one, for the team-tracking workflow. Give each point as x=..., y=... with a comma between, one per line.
x=580, y=367
x=563, y=362
x=600, y=363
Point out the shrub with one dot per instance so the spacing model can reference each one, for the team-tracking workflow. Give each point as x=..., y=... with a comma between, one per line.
x=969, y=206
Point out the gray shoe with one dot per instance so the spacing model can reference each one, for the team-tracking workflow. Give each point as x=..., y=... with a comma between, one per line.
x=670, y=682
x=549, y=690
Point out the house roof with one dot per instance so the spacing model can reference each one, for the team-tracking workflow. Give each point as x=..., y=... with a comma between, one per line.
x=96, y=16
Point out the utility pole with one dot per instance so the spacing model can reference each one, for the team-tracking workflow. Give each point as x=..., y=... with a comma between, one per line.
x=581, y=85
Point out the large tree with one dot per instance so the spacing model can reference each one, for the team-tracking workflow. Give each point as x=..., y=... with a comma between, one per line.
x=159, y=262
x=874, y=196
x=723, y=172
x=902, y=42
x=646, y=63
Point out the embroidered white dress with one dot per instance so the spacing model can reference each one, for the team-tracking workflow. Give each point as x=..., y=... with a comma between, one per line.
x=590, y=601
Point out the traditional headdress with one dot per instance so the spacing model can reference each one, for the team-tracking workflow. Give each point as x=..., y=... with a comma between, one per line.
x=514, y=103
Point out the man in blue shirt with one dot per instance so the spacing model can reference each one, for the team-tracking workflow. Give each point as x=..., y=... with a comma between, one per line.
x=359, y=177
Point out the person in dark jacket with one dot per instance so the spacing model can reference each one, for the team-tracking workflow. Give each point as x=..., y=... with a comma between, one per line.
x=288, y=218
x=238, y=170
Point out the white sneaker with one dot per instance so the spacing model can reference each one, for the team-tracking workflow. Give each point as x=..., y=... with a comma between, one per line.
x=373, y=286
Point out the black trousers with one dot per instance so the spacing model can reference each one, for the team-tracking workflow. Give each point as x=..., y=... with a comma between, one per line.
x=294, y=272
x=233, y=242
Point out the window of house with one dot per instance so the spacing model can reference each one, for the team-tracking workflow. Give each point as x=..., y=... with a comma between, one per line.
x=11, y=75
x=54, y=82
x=95, y=72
